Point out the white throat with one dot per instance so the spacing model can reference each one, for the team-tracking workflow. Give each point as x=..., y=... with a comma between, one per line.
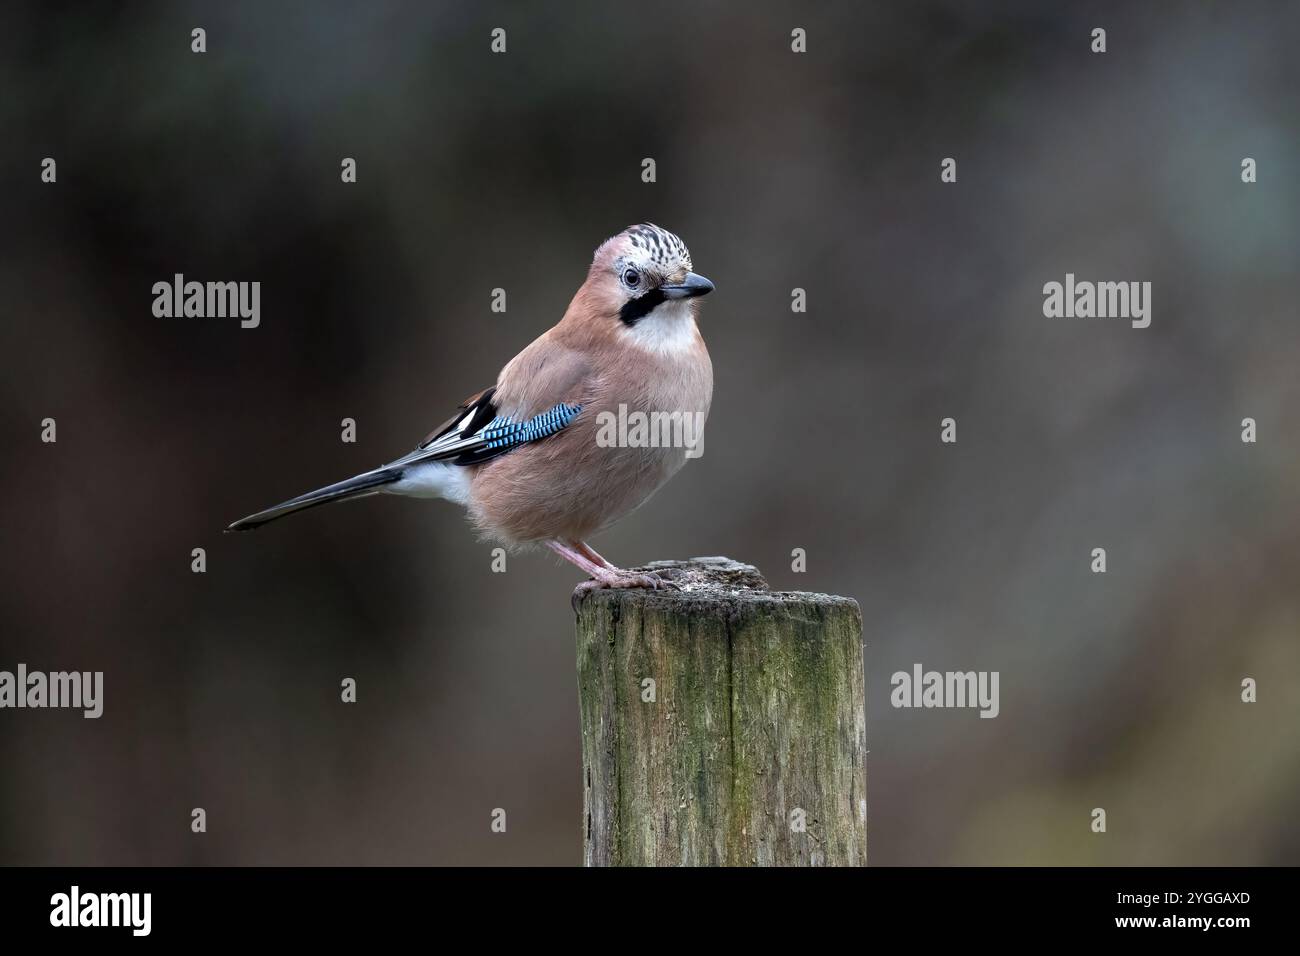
x=668, y=329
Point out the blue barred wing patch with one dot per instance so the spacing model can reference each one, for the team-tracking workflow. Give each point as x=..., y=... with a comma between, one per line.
x=479, y=434
x=504, y=432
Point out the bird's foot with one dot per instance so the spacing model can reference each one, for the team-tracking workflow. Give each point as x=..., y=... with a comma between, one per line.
x=620, y=579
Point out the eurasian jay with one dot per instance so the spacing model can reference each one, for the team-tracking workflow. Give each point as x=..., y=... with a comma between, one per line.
x=524, y=457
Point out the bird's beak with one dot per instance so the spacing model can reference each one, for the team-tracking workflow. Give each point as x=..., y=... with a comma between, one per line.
x=688, y=288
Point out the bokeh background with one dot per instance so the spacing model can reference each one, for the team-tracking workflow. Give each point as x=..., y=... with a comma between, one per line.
x=819, y=171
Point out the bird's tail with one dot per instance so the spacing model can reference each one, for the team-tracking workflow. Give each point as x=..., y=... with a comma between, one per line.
x=362, y=485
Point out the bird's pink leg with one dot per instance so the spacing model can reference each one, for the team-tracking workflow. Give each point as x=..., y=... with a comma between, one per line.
x=583, y=548
x=604, y=575
x=573, y=556
x=591, y=554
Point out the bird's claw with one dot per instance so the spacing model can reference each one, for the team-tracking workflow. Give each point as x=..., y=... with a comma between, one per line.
x=654, y=582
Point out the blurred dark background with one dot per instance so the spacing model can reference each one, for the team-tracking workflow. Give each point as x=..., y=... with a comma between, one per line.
x=819, y=171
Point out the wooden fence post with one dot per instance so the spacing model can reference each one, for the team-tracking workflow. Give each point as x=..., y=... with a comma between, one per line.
x=722, y=723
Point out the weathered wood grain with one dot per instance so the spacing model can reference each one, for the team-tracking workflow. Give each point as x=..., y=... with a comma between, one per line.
x=758, y=711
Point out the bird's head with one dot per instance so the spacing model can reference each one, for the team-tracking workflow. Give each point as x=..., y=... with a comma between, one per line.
x=641, y=280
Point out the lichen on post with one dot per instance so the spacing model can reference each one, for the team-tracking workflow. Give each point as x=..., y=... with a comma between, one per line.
x=722, y=723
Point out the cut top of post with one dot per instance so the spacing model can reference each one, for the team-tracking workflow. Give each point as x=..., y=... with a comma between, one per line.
x=712, y=581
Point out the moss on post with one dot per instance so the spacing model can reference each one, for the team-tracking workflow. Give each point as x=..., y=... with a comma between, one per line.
x=722, y=723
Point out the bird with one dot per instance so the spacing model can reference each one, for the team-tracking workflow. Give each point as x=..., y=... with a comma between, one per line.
x=524, y=456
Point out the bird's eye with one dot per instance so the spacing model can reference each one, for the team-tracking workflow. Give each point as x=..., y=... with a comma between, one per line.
x=632, y=278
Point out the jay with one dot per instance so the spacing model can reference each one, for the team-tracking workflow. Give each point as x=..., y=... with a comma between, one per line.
x=523, y=456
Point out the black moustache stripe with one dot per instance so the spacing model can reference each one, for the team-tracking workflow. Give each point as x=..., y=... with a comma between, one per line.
x=634, y=310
